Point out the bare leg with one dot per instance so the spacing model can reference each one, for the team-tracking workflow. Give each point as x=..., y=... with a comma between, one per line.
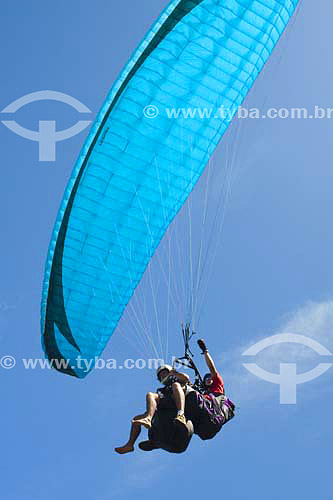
x=178, y=396
x=129, y=446
x=146, y=418
x=138, y=421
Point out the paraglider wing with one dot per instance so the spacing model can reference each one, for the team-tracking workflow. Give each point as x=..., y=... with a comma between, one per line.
x=138, y=165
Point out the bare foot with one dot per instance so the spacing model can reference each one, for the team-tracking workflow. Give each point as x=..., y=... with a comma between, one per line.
x=124, y=449
x=146, y=422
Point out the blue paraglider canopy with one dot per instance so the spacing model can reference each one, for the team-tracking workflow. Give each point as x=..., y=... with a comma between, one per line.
x=139, y=163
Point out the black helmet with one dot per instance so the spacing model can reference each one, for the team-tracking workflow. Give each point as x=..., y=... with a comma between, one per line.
x=206, y=376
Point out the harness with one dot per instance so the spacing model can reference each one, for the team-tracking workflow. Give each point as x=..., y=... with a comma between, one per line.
x=221, y=406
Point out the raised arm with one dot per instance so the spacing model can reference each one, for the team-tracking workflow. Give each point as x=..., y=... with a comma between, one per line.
x=210, y=364
x=208, y=358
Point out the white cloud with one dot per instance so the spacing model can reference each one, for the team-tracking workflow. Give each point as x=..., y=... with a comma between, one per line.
x=314, y=319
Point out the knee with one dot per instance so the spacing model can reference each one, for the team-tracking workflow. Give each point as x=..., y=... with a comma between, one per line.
x=152, y=396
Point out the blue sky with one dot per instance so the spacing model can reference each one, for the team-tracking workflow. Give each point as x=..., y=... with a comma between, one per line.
x=272, y=274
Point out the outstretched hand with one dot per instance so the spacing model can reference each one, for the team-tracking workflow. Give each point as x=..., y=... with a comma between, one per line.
x=202, y=345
